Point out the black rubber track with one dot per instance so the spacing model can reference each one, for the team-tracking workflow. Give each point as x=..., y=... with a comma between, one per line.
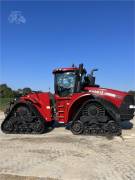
x=102, y=121
x=24, y=118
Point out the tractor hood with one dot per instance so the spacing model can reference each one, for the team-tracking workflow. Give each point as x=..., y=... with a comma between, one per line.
x=115, y=96
x=106, y=91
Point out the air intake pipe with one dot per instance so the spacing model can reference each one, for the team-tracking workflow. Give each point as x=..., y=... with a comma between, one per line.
x=92, y=71
x=91, y=77
x=79, y=78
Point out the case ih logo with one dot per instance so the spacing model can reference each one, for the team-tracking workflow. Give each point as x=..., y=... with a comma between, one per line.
x=97, y=92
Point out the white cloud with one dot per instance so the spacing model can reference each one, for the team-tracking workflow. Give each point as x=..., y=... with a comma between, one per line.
x=16, y=17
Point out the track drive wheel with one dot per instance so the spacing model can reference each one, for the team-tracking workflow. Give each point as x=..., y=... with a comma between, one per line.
x=94, y=110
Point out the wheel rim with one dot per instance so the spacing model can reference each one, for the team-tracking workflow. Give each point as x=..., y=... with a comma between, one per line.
x=24, y=114
x=94, y=110
x=22, y=110
x=38, y=126
x=113, y=127
x=77, y=127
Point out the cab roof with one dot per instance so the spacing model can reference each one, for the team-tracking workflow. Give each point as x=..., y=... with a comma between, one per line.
x=57, y=70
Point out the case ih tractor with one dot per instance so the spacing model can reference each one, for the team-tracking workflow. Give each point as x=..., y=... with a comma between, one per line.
x=78, y=101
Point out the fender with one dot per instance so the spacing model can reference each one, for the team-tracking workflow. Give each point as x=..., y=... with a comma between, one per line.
x=42, y=102
x=27, y=103
x=109, y=107
x=76, y=104
x=13, y=106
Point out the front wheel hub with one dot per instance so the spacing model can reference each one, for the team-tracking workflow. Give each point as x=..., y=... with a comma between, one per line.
x=93, y=110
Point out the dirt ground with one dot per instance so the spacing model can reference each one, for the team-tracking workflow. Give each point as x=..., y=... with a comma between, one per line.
x=59, y=155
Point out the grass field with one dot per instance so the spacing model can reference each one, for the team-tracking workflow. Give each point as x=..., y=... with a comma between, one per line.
x=4, y=102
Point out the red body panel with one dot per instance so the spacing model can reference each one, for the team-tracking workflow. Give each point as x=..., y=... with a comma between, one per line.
x=114, y=96
x=42, y=102
x=67, y=106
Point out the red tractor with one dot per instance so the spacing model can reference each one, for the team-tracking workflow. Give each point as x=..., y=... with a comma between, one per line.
x=78, y=101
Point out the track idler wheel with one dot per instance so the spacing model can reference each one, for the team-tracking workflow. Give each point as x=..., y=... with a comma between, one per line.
x=114, y=128
x=77, y=127
x=38, y=127
x=7, y=126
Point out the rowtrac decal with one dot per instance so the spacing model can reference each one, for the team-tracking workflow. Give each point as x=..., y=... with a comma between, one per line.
x=101, y=92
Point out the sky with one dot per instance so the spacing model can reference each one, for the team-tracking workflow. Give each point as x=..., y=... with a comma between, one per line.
x=50, y=34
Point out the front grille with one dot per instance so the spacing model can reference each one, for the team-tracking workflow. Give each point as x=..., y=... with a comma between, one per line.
x=125, y=112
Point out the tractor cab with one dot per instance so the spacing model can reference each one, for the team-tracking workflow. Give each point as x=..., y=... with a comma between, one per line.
x=72, y=80
x=65, y=81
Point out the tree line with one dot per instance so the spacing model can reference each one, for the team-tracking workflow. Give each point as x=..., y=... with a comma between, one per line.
x=7, y=92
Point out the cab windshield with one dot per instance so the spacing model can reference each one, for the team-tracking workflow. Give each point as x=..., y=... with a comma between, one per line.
x=65, y=83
